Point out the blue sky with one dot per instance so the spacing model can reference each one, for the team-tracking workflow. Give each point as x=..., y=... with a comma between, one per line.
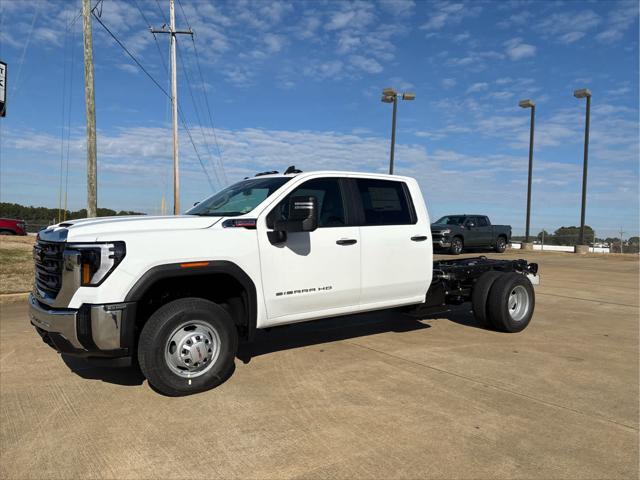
x=299, y=83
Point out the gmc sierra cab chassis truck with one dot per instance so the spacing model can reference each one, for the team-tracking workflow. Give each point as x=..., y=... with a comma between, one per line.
x=176, y=294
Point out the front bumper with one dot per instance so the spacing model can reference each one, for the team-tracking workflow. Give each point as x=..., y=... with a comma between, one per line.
x=441, y=242
x=91, y=331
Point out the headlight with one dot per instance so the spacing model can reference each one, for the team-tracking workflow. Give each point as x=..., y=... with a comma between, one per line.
x=445, y=232
x=98, y=260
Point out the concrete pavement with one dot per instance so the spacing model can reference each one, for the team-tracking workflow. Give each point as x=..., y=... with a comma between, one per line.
x=371, y=396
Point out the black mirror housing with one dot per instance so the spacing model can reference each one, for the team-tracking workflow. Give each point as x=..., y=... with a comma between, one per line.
x=303, y=215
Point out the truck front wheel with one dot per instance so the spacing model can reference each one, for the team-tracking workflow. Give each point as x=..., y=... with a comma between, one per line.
x=187, y=346
x=511, y=302
x=456, y=246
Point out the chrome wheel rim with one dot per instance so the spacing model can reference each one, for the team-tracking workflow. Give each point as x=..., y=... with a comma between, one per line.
x=457, y=246
x=518, y=303
x=192, y=349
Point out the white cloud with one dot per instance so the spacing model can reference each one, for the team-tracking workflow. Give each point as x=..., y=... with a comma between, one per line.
x=516, y=49
x=369, y=65
x=324, y=70
x=620, y=18
x=274, y=42
x=449, y=13
x=571, y=37
x=449, y=82
x=400, y=8
x=478, y=87
x=352, y=16
x=566, y=25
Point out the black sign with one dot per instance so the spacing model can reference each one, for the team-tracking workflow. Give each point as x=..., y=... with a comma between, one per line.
x=3, y=89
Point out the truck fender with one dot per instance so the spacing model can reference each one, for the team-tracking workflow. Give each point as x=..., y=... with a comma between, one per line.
x=173, y=270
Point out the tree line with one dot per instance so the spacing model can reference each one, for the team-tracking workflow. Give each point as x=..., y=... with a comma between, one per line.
x=43, y=216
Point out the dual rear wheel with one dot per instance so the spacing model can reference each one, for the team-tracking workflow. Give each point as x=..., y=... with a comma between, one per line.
x=504, y=301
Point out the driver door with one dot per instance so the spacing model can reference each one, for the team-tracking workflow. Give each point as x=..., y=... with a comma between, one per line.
x=311, y=274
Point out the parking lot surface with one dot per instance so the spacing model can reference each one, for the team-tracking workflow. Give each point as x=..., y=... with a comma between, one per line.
x=377, y=395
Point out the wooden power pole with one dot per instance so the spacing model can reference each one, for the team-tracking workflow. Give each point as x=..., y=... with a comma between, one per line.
x=92, y=196
x=174, y=101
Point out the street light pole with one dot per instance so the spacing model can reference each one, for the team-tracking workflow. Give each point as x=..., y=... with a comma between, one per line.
x=390, y=95
x=529, y=104
x=393, y=134
x=584, y=93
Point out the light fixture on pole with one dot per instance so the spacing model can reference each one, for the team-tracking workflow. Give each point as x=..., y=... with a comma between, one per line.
x=584, y=93
x=529, y=104
x=390, y=95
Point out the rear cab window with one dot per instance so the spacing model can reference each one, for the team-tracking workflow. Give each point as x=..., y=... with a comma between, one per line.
x=385, y=202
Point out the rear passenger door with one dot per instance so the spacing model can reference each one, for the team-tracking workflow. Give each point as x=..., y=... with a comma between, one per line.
x=395, y=245
x=484, y=232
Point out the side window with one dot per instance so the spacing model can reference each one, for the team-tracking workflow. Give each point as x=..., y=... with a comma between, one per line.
x=330, y=204
x=384, y=202
x=482, y=221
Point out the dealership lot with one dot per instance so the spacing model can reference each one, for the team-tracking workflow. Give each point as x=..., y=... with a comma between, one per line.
x=376, y=395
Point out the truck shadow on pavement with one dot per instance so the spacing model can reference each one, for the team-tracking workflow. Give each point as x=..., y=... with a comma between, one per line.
x=128, y=376
x=294, y=336
x=305, y=334
x=335, y=329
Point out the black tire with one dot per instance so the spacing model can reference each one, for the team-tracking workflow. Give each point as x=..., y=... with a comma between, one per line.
x=511, y=318
x=480, y=294
x=501, y=244
x=7, y=232
x=456, y=246
x=165, y=324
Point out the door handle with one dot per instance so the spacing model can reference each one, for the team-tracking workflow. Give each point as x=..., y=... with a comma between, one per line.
x=419, y=238
x=346, y=241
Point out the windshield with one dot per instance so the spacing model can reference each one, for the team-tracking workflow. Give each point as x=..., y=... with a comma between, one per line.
x=239, y=198
x=451, y=220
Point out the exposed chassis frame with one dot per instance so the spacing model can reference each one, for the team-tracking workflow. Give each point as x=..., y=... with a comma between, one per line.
x=453, y=280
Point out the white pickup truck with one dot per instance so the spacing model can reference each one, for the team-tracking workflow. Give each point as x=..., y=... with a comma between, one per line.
x=178, y=293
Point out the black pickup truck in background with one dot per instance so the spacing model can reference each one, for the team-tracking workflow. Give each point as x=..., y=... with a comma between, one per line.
x=457, y=232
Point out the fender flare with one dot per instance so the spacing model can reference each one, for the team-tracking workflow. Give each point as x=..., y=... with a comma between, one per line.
x=172, y=270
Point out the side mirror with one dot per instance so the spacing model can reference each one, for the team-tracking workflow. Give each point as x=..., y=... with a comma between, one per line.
x=471, y=225
x=303, y=215
x=196, y=203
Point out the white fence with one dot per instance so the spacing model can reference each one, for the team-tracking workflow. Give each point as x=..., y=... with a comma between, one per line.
x=560, y=248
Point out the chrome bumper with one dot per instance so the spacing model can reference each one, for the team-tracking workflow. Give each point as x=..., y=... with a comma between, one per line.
x=62, y=321
x=441, y=242
x=102, y=330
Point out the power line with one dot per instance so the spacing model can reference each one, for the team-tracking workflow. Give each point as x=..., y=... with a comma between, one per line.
x=204, y=93
x=195, y=107
x=36, y=12
x=155, y=38
x=66, y=180
x=64, y=104
x=184, y=123
x=130, y=55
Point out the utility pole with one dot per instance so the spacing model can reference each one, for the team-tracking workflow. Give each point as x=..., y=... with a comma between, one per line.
x=621, y=233
x=92, y=181
x=174, y=100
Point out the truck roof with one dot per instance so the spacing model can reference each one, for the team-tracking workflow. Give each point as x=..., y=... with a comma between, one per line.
x=385, y=176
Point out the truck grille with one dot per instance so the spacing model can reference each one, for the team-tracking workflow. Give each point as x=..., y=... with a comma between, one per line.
x=48, y=261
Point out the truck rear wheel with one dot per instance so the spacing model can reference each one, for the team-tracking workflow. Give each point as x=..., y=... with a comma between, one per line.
x=480, y=294
x=456, y=246
x=501, y=244
x=187, y=346
x=511, y=303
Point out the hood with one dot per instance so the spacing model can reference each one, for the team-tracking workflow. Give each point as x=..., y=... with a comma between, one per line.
x=90, y=229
